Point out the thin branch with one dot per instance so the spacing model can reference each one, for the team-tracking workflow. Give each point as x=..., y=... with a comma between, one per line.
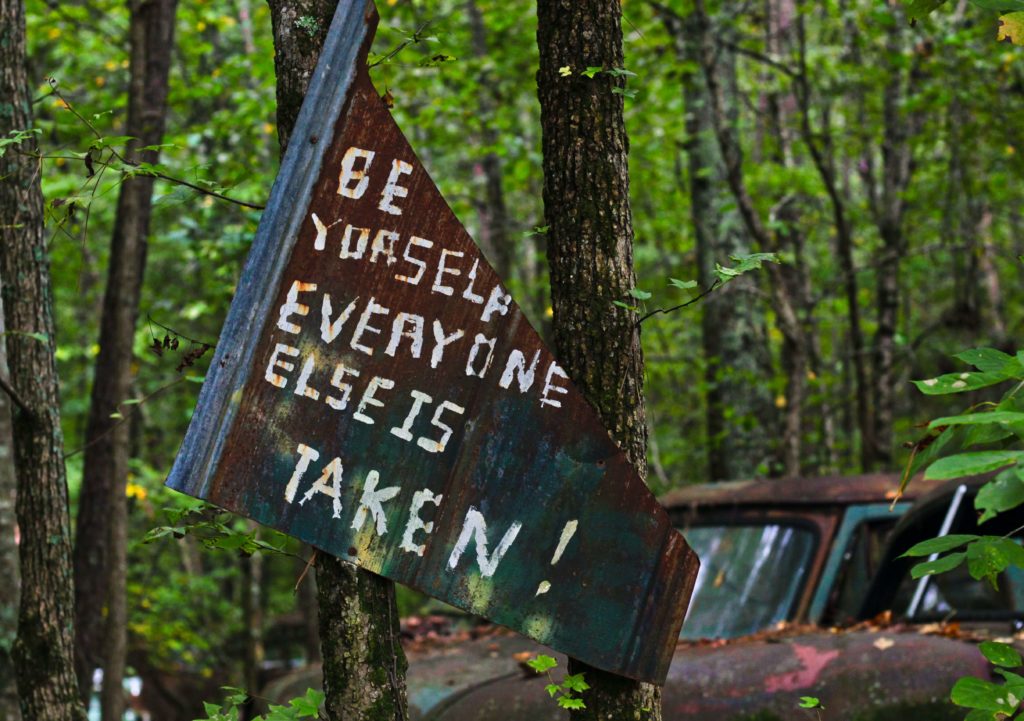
x=154, y=173
x=704, y=294
x=759, y=57
x=149, y=318
x=15, y=398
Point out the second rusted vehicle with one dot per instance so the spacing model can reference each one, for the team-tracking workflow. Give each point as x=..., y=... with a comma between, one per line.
x=801, y=593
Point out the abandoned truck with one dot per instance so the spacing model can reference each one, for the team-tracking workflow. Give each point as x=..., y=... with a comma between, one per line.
x=801, y=593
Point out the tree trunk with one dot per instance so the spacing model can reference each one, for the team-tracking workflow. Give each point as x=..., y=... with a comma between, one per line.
x=739, y=404
x=252, y=623
x=590, y=251
x=10, y=589
x=101, y=533
x=364, y=664
x=494, y=220
x=43, y=650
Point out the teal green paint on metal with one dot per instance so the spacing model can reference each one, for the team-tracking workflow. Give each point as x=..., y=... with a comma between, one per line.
x=372, y=353
x=854, y=516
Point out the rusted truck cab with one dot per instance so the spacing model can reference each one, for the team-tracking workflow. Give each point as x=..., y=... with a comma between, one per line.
x=801, y=593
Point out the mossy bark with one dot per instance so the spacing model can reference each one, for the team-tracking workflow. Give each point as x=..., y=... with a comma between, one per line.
x=43, y=650
x=590, y=252
x=364, y=664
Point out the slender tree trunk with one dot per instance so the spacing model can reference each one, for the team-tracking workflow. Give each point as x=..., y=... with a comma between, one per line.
x=739, y=404
x=10, y=590
x=252, y=622
x=590, y=251
x=494, y=220
x=307, y=603
x=101, y=535
x=43, y=649
x=364, y=664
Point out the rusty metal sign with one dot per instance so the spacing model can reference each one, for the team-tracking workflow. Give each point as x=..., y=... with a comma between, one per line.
x=377, y=393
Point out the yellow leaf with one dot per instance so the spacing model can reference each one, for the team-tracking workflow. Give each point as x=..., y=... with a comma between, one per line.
x=1011, y=27
x=565, y=71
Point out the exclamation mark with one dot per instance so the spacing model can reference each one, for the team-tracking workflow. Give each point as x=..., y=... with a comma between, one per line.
x=567, y=533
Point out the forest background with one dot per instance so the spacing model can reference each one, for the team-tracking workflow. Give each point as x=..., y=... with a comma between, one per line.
x=879, y=159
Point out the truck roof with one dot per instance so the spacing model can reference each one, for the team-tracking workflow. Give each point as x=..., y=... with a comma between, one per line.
x=821, y=490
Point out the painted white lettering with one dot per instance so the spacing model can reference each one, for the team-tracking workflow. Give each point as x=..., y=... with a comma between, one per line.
x=368, y=398
x=439, y=445
x=440, y=341
x=516, y=366
x=400, y=328
x=554, y=370
x=417, y=404
x=393, y=190
x=498, y=302
x=478, y=343
x=306, y=456
x=415, y=523
x=292, y=306
x=332, y=473
x=275, y=362
x=370, y=503
x=347, y=251
x=363, y=326
x=475, y=528
x=384, y=244
x=330, y=330
x=421, y=266
x=321, y=233
x=439, y=286
x=338, y=381
x=302, y=385
x=349, y=174
x=468, y=293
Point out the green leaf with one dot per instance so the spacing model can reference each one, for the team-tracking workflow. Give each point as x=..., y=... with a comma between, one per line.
x=809, y=702
x=981, y=715
x=972, y=692
x=920, y=8
x=592, y=71
x=621, y=73
x=958, y=383
x=571, y=703
x=990, y=360
x=744, y=264
x=626, y=92
x=627, y=306
x=640, y=294
x=575, y=682
x=1001, y=654
x=682, y=284
x=1002, y=493
x=939, y=565
x=970, y=464
x=990, y=556
x=1000, y=5
x=978, y=418
x=552, y=689
x=939, y=545
x=542, y=663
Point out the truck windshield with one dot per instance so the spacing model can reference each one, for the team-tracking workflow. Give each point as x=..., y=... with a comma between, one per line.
x=749, y=577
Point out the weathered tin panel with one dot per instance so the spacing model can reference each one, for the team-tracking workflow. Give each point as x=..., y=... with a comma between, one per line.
x=377, y=393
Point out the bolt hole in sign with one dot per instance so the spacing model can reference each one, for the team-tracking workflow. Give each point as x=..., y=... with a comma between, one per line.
x=377, y=394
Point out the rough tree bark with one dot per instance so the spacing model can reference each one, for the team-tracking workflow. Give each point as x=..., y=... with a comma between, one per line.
x=735, y=347
x=590, y=252
x=101, y=534
x=364, y=664
x=10, y=590
x=43, y=650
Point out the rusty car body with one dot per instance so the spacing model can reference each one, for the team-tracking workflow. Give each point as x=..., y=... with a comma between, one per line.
x=793, y=572
x=801, y=593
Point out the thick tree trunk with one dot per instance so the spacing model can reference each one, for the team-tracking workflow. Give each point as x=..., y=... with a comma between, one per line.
x=590, y=251
x=739, y=403
x=101, y=534
x=364, y=664
x=43, y=649
x=11, y=588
